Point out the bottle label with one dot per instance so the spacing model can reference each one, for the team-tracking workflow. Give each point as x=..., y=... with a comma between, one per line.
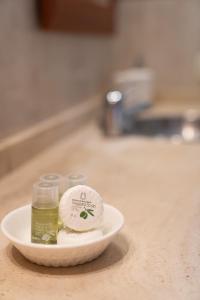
x=44, y=225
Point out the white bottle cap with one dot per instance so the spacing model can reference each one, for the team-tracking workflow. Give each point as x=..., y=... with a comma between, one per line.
x=45, y=194
x=81, y=208
x=56, y=179
x=74, y=179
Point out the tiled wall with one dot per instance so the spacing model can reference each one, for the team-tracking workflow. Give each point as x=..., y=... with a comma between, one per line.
x=166, y=33
x=43, y=73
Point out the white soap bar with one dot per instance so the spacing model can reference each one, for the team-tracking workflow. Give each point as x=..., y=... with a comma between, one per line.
x=81, y=208
x=69, y=237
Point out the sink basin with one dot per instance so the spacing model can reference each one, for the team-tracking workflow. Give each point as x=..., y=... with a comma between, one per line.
x=180, y=127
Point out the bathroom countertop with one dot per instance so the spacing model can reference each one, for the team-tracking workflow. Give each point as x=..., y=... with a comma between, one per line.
x=155, y=184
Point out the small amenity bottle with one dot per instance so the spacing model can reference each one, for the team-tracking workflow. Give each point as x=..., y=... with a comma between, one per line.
x=44, y=219
x=56, y=179
x=75, y=179
x=60, y=181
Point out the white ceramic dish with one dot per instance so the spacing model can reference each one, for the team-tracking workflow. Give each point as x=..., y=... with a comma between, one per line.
x=16, y=226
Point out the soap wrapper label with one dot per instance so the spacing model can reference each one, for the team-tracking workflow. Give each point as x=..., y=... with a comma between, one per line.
x=81, y=208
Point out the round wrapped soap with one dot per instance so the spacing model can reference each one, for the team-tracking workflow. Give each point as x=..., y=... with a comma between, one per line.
x=70, y=237
x=81, y=208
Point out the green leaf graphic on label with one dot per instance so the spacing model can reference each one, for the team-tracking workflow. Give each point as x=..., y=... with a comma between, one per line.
x=84, y=215
x=90, y=212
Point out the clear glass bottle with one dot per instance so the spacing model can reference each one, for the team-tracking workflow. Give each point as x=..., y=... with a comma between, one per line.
x=76, y=179
x=56, y=179
x=44, y=219
x=60, y=181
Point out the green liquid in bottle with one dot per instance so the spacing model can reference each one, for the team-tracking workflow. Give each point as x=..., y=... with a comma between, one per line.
x=60, y=223
x=44, y=225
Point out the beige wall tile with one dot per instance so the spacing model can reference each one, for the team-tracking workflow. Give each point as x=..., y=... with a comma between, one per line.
x=43, y=73
x=165, y=33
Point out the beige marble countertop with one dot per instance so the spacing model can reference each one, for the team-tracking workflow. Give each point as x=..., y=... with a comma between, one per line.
x=156, y=185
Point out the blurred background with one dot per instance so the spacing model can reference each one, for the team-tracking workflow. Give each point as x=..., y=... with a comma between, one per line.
x=58, y=53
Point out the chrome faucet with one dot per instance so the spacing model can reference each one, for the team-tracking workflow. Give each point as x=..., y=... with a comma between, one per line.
x=113, y=113
x=117, y=119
